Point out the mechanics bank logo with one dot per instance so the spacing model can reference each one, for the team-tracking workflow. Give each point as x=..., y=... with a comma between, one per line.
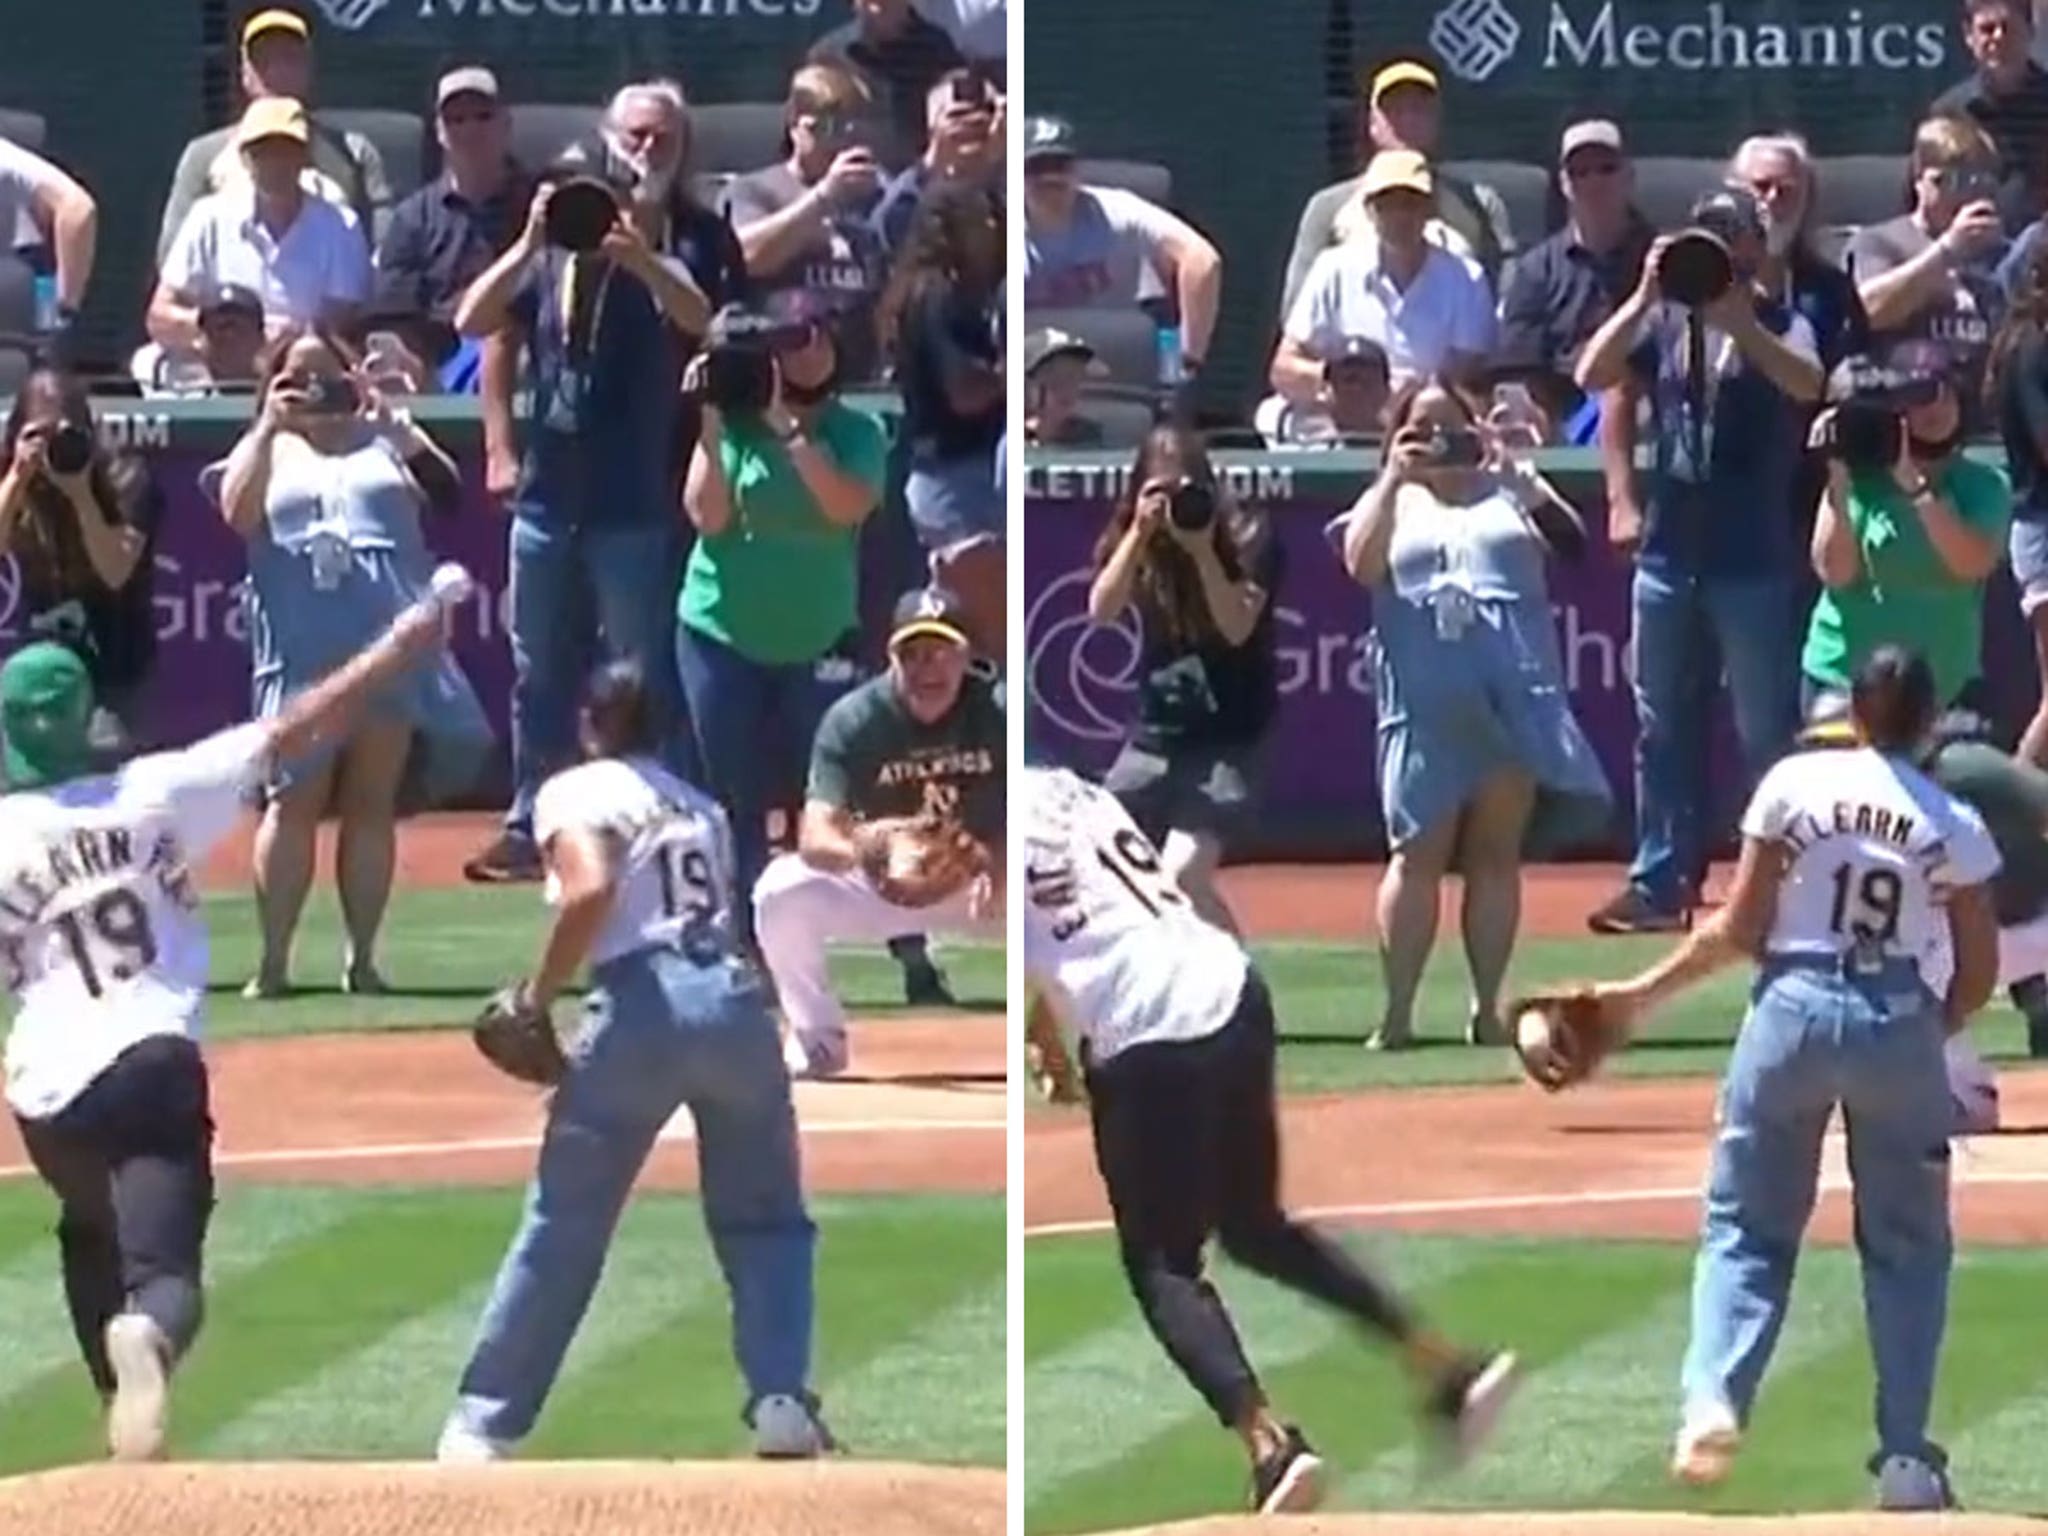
x=351, y=15
x=1081, y=675
x=1475, y=37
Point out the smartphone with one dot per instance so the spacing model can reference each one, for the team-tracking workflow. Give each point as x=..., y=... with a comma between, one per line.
x=332, y=396
x=1459, y=449
x=969, y=92
x=1515, y=400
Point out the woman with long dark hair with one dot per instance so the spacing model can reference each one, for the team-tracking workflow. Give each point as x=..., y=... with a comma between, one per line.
x=2016, y=389
x=1200, y=569
x=80, y=521
x=938, y=320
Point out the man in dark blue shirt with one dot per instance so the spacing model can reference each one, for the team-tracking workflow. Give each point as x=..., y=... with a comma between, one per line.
x=965, y=144
x=595, y=540
x=901, y=56
x=442, y=237
x=1730, y=385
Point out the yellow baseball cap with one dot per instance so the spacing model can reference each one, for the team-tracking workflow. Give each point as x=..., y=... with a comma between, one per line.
x=1398, y=170
x=1401, y=72
x=274, y=117
x=274, y=21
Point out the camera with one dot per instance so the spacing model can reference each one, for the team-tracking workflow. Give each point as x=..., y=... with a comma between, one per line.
x=69, y=449
x=1459, y=448
x=1191, y=506
x=739, y=358
x=331, y=395
x=581, y=212
x=1867, y=432
x=1695, y=268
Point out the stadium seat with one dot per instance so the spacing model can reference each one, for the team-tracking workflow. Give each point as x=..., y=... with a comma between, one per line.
x=400, y=137
x=1667, y=187
x=736, y=136
x=17, y=322
x=1125, y=415
x=1125, y=340
x=28, y=129
x=1525, y=189
x=1149, y=180
x=1861, y=189
x=540, y=131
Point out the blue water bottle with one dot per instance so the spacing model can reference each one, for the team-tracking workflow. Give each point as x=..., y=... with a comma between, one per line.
x=1171, y=372
x=46, y=302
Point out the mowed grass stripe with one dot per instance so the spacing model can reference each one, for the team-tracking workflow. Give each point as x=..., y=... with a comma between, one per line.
x=936, y=1394
x=46, y=1399
x=1582, y=1419
x=1991, y=1402
x=1113, y=1400
x=388, y=1397
x=886, y=1267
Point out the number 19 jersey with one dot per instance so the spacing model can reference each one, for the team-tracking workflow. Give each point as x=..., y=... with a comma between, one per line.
x=1107, y=933
x=1875, y=847
x=101, y=937
x=674, y=877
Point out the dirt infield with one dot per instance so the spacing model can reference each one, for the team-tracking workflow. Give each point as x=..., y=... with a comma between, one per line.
x=528, y=1499
x=1610, y=1524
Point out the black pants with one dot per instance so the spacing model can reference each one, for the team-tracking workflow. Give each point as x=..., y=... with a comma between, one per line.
x=131, y=1161
x=1189, y=1147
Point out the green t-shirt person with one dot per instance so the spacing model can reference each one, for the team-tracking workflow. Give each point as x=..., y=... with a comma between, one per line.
x=1903, y=594
x=780, y=583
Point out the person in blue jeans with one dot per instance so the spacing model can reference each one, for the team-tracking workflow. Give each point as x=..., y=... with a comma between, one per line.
x=640, y=871
x=1853, y=864
x=596, y=547
x=1730, y=383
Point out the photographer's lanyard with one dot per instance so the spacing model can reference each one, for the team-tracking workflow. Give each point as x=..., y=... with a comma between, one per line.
x=577, y=342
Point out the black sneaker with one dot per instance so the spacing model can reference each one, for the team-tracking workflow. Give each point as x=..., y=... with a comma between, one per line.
x=2030, y=997
x=1633, y=912
x=1466, y=1402
x=1290, y=1480
x=925, y=985
x=512, y=859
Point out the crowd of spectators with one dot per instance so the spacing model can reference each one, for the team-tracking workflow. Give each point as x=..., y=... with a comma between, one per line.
x=1781, y=404
x=690, y=487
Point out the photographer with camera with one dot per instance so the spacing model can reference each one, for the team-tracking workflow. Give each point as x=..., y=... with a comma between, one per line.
x=81, y=522
x=782, y=478
x=1200, y=570
x=1479, y=756
x=1731, y=371
x=1908, y=528
x=608, y=289
x=327, y=488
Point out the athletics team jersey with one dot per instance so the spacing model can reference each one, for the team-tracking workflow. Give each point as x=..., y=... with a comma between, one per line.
x=1876, y=846
x=675, y=871
x=1107, y=934
x=101, y=937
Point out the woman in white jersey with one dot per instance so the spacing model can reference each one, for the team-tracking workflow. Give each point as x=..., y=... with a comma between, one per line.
x=1853, y=864
x=640, y=871
x=103, y=947
x=1177, y=1041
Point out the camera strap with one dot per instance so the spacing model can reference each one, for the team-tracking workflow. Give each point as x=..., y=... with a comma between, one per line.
x=1696, y=393
x=582, y=305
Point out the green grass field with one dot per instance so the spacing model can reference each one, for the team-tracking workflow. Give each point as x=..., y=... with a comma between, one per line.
x=1113, y=1437
x=338, y=1319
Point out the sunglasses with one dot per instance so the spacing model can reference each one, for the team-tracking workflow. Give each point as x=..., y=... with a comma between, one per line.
x=1050, y=165
x=469, y=117
x=1592, y=170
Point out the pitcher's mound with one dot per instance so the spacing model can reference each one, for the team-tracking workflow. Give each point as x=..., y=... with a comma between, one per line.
x=740, y=1498
x=1610, y=1524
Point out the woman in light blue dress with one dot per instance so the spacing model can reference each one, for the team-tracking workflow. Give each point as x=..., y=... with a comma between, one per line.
x=327, y=488
x=1480, y=759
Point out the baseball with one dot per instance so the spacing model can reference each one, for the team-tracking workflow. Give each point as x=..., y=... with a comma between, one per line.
x=1532, y=1030
x=451, y=584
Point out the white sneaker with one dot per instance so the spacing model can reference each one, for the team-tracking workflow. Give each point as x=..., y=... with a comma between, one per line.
x=1906, y=1483
x=822, y=1056
x=461, y=1446
x=785, y=1429
x=1706, y=1445
x=140, y=1356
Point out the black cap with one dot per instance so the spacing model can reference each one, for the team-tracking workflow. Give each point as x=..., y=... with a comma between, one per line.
x=1353, y=350
x=1049, y=138
x=928, y=611
x=232, y=299
x=1048, y=342
x=1729, y=212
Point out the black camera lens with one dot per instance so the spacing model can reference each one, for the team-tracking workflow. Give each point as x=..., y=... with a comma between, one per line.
x=581, y=212
x=1867, y=438
x=1695, y=268
x=739, y=378
x=70, y=449
x=1191, y=506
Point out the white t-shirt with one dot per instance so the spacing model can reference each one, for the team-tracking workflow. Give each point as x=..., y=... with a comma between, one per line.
x=1876, y=848
x=320, y=259
x=674, y=876
x=101, y=937
x=979, y=28
x=24, y=175
x=1118, y=948
x=1447, y=308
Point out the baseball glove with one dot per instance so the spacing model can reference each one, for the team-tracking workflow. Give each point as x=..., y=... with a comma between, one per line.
x=920, y=861
x=518, y=1038
x=1562, y=1036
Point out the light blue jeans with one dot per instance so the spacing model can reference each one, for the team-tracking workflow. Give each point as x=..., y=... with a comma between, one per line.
x=580, y=594
x=1687, y=629
x=661, y=1032
x=1817, y=1035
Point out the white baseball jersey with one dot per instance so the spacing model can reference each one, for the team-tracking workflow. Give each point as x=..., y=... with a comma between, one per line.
x=675, y=871
x=1876, y=846
x=101, y=938
x=1107, y=934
